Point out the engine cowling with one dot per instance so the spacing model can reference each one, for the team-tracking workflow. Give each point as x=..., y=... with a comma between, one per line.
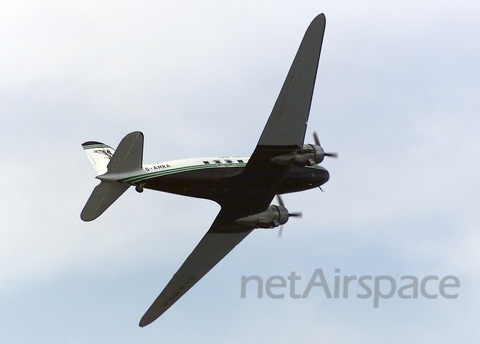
x=307, y=156
x=312, y=154
x=274, y=216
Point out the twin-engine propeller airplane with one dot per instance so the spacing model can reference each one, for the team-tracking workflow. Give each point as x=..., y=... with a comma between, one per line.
x=243, y=186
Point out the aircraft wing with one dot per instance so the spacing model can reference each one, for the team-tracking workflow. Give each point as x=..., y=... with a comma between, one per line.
x=285, y=130
x=288, y=121
x=252, y=191
x=215, y=245
x=244, y=199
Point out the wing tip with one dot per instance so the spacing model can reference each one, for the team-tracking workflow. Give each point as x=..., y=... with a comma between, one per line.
x=146, y=321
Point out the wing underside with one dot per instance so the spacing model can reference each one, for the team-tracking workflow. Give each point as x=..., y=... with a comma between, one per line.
x=252, y=191
x=287, y=123
x=215, y=245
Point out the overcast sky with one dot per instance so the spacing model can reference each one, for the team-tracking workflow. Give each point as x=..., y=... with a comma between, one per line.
x=397, y=95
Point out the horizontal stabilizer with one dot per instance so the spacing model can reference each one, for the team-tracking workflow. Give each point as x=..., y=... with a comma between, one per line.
x=101, y=198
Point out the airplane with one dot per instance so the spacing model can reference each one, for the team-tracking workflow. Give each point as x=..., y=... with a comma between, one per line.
x=243, y=186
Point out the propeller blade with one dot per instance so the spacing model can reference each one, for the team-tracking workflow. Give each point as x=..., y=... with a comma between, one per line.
x=296, y=214
x=315, y=138
x=317, y=142
x=280, y=201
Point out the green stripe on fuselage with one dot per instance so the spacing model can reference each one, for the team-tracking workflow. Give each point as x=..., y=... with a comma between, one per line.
x=151, y=175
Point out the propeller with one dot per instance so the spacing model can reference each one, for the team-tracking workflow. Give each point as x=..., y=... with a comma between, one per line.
x=317, y=142
x=294, y=214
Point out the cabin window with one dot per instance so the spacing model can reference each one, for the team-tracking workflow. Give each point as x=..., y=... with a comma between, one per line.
x=240, y=161
x=217, y=161
x=228, y=161
x=206, y=162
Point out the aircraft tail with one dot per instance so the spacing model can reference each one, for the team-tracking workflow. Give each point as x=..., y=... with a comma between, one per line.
x=101, y=198
x=99, y=155
x=111, y=166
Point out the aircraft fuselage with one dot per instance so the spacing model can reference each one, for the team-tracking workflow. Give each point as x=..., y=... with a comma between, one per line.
x=214, y=178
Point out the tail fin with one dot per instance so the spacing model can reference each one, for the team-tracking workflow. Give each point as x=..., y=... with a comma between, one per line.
x=99, y=155
x=126, y=159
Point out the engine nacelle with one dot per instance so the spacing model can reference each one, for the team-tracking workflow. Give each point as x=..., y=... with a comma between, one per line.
x=307, y=156
x=274, y=216
x=312, y=154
